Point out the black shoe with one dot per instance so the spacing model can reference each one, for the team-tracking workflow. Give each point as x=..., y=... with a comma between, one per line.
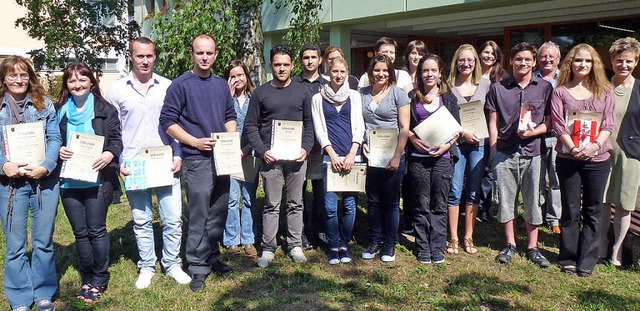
x=506, y=254
x=485, y=217
x=584, y=273
x=424, y=257
x=371, y=251
x=306, y=245
x=198, y=282
x=536, y=257
x=220, y=267
x=388, y=253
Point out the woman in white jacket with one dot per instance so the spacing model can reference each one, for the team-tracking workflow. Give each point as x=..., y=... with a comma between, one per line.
x=339, y=128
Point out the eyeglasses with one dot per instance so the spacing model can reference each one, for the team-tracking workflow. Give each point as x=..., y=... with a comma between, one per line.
x=14, y=77
x=547, y=58
x=469, y=60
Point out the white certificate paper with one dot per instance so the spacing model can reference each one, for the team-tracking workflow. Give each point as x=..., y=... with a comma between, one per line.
x=24, y=142
x=439, y=128
x=150, y=169
x=382, y=146
x=472, y=119
x=286, y=139
x=227, y=155
x=352, y=181
x=86, y=149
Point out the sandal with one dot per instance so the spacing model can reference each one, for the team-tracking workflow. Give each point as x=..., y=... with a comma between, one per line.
x=568, y=269
x=94, y=293
x=469, y=247
x=82, y=294
x=452, y=246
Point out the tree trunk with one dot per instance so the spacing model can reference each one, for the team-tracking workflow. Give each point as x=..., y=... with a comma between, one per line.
x=251, y=46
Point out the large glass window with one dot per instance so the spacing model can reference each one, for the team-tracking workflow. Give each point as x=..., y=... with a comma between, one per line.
x=534, y=36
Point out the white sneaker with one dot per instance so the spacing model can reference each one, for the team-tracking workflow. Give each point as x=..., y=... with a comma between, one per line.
x=266, y=258
x=180, y=276
x=297, y=255
x=144, y=279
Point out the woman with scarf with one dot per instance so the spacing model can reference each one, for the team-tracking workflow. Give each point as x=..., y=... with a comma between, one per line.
x=28, y=188
x=339, y=128
x=82, y=109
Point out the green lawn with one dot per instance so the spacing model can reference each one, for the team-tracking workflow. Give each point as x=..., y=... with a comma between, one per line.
x=473, y=282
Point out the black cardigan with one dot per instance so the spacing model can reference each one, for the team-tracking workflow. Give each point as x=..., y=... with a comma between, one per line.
x=629, y=132
x=451, y=103
x=106, y=123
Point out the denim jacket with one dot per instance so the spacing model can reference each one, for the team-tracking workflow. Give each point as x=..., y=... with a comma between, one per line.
x=53, y=140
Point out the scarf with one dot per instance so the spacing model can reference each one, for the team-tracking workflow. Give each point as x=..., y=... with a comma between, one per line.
x=335, y=97
x=78, y=121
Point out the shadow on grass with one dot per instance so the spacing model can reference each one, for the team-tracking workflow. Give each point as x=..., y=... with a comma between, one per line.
x=604, y=300
x=471, y=290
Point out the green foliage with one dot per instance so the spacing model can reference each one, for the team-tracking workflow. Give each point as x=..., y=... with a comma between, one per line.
x=305, y=25
x=182, y=22
x=86, y=29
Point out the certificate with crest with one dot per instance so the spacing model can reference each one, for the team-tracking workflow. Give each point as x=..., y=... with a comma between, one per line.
x=352, y=181
x=86, y=148
x=24, y=142
x=472, y=119
x=382, y=146
x=286, y=139
x=150, y=169
x=227, y=155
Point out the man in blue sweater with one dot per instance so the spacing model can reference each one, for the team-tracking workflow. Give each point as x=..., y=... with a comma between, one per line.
x=197, y=104
x=280, y=99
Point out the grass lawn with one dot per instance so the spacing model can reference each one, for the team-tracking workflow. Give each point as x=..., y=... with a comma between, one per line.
x=472, y=282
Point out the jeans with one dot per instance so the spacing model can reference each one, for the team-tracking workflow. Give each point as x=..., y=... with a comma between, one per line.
x=582, y=186
x=432, y=178
x=208, y=197
x=26, y=282
x=239, y=228
x=170, y=209
x=87, y=213
x=339, y=232
x=471, y=165
x=293, y=175
x=383, y=203
x=552, y=196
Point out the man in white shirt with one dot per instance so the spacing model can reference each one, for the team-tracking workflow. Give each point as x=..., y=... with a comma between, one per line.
x=139, y=98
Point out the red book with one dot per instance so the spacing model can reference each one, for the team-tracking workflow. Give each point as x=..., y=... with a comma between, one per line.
x=584, y=131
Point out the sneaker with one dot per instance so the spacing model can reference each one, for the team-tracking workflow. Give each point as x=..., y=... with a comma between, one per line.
x=485, y=217
x=266, y=259
x=345, y=257
x=180, y=276
x=424, y=257
x=21, y=308
x=45, y=305
x=144, y=279
x=250, y=250
x=234, y=249
x=334, y=257
x=506, y=253
x=198, y=282
x=388, y=253
x=536, y=257
x=437, y=258
x=220, y=267
x=372, y=251
x=305, y=242
x=297, y=255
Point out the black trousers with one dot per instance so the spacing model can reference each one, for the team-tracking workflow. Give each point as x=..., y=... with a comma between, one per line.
x=587, y=180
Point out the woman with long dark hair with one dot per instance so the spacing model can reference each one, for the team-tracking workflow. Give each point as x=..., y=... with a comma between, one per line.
x=82, y=109
x=491, y=61
x=28, y=188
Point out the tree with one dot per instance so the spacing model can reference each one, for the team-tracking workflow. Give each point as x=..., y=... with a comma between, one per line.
x=85, y=29
x=305, y=24
x=181, y=22
x=250, y=46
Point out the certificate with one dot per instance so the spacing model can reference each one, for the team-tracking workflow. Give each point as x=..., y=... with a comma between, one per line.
x=150, y=169
x=352, y=181
x=314, y=166
x=86, y=149
x=438, y=129
x=24, y=142
x=227, y=155
x=286, y=139
x=472, y=119
x=382, y=146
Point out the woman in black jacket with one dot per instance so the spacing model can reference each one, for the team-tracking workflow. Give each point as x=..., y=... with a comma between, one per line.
x=431, y=167
x=82, y=109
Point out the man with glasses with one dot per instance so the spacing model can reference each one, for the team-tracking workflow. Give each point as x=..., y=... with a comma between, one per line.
x=548, y=61
x=515, y=150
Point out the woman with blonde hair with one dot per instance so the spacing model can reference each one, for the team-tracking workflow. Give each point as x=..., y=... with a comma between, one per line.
x=28, y=188
x=625, y=156
x=467, y=85
x=582, y=167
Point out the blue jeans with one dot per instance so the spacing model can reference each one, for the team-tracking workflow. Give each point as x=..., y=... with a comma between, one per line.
x=471, y=165
x=383, y=203
x=26, y=282
x=339, y=233
x=87, y=214
x=170, y=209
x=239, y=227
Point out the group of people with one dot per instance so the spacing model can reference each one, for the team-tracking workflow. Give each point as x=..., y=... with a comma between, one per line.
x=337, y=112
